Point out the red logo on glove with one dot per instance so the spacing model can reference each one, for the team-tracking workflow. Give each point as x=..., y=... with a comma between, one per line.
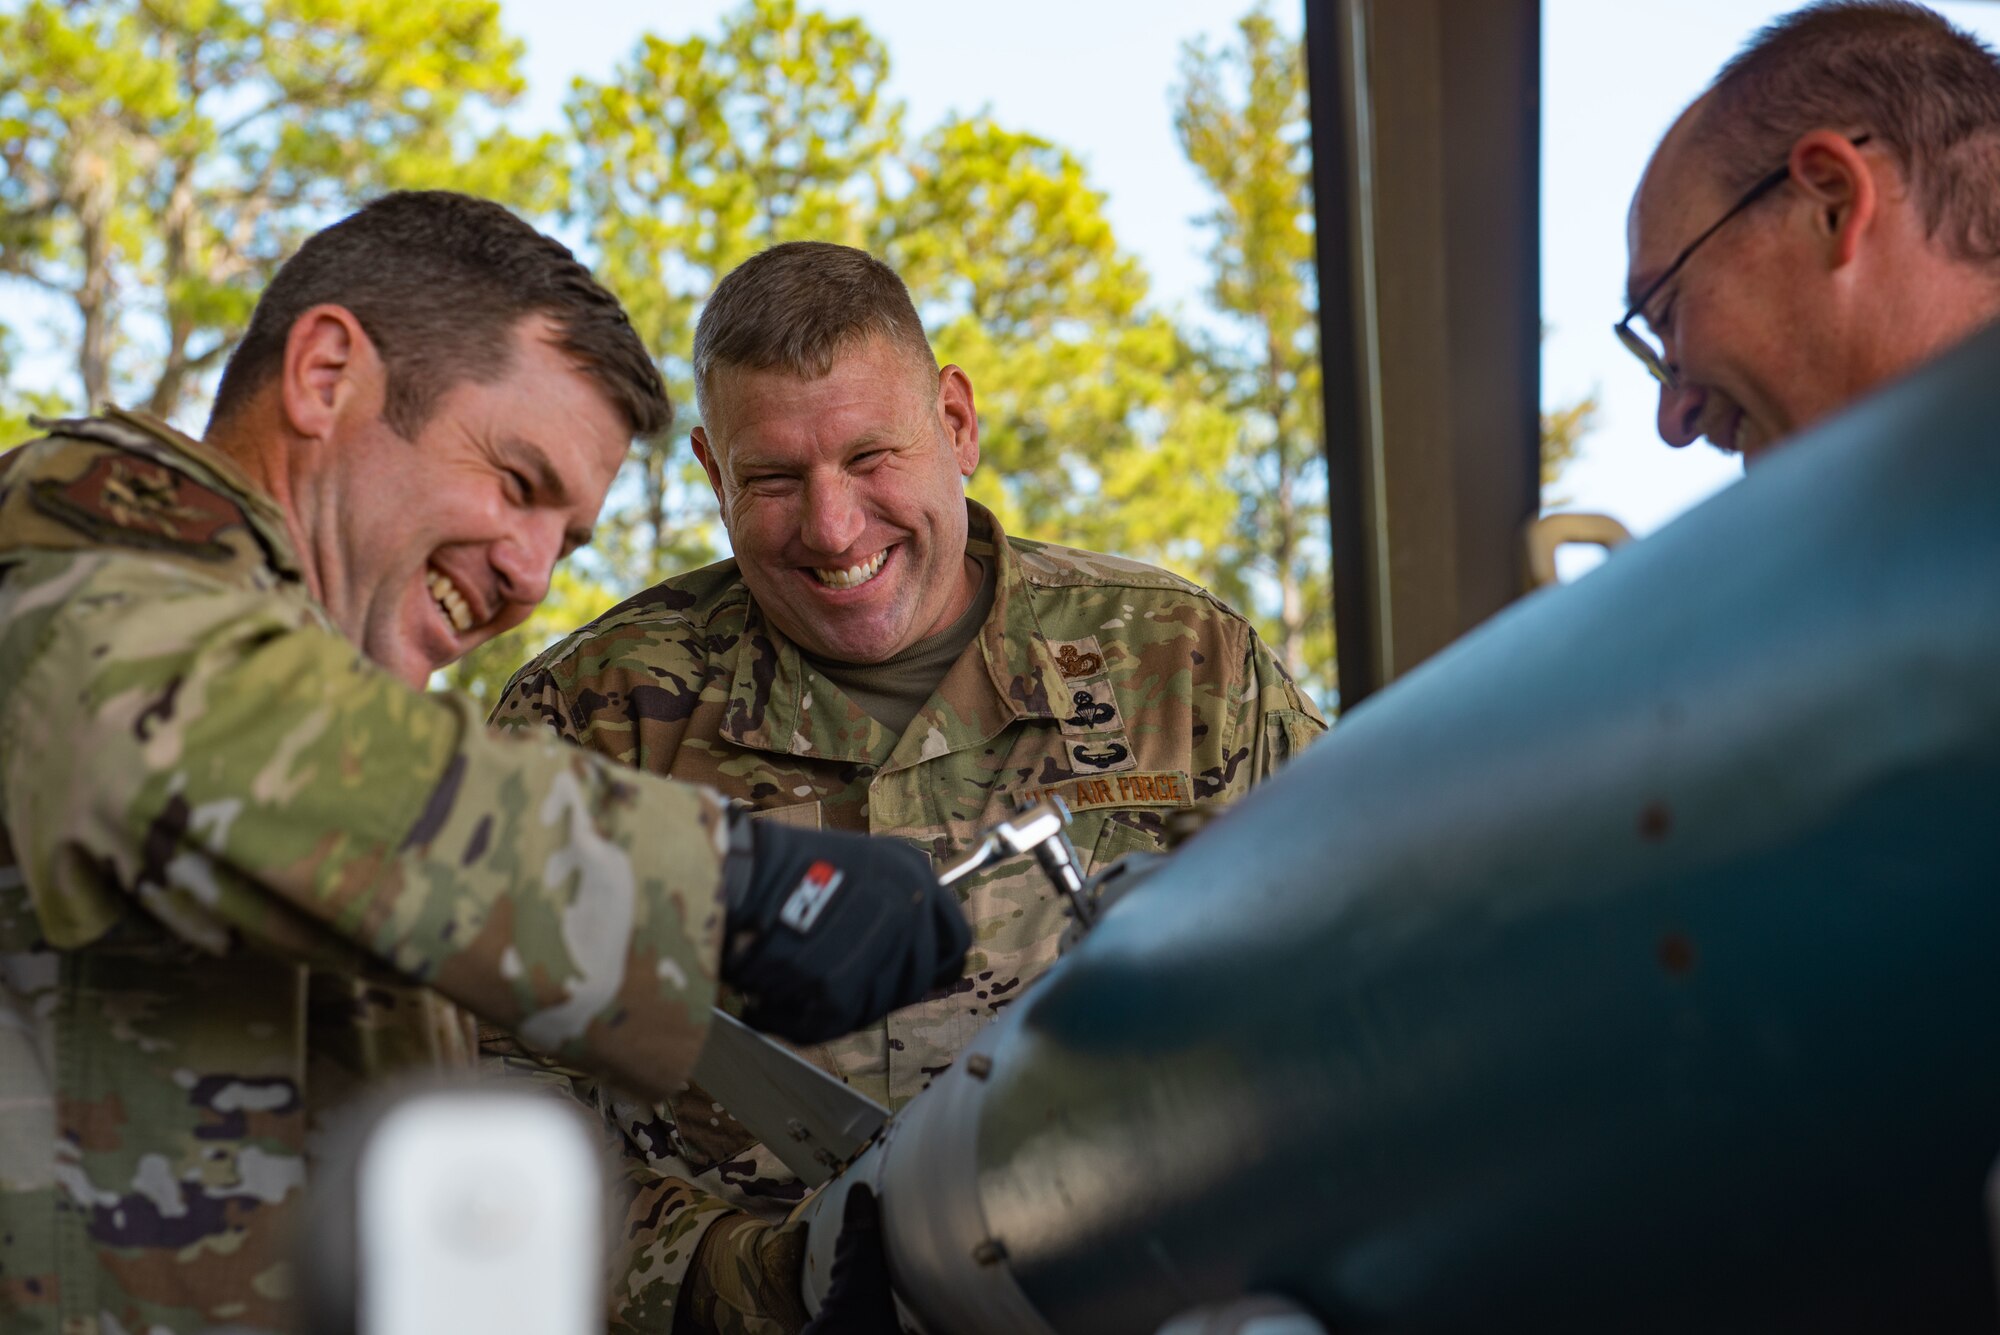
x=809, y=899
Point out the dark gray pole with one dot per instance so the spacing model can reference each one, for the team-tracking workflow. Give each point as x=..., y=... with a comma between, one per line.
x=1426, y=136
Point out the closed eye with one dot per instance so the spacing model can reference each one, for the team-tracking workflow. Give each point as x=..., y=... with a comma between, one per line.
x=1662, y=325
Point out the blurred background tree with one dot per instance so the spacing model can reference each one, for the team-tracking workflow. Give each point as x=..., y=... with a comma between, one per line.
x=18, y=406
x=160, y=156
x=1082, y=390
x=1243, y=122
x=694, y=156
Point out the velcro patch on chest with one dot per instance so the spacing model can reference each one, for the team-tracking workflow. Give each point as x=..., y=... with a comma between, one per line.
x=1159, y=788
x=1078, y=659
x=135, y=502
x=1104, y=754
x=1093, y=708
x=799, y=815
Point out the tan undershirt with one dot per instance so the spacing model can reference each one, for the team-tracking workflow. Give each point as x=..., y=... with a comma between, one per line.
x=893, y=690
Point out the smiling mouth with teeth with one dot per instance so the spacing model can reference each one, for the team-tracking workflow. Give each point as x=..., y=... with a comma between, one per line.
x=854, y=576
x=456, y=609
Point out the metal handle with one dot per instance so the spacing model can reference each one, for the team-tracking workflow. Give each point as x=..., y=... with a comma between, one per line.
x=1041, y=828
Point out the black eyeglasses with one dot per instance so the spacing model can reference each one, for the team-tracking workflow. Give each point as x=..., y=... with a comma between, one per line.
x=1652, y=358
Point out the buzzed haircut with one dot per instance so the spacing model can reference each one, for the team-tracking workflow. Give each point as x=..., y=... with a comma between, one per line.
x=440, y=281
x=799, y=305
x=1924, y=89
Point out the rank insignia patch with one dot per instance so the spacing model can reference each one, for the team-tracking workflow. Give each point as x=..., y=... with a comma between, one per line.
x=138, y=503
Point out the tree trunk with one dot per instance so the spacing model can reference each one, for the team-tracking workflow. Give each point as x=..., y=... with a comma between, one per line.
x=1291, y=646
x=93, y=192
x=177, y=237
x=656, y=506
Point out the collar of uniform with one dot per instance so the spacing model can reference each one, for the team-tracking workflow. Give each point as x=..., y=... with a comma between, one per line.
x=1027, y=689
x=984, y=693
x=777, y=704
x=266, y=519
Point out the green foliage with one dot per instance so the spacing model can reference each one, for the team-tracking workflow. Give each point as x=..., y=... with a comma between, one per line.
x=1563, y=430
x=161, y=156
x=1243, y=121
x=1240, y=113
x=1081, y=391
x=697, y=154
x=17, y=406
x=17, y=411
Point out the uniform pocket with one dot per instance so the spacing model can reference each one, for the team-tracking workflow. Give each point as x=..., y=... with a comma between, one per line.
x=1138, y=833
x=1288, y=732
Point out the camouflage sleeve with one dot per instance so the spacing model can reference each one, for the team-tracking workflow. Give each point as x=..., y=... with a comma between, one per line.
x=1275, y=720
x=535, y=698
x=661, y=1239
x=744, y=1280
x=689, y=1263
x=626, y=688
x=211, y=754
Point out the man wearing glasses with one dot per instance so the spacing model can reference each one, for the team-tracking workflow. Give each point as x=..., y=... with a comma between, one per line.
x=1824, y=218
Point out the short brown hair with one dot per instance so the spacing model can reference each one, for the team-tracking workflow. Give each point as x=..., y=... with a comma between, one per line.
x=1923, y=88
x=440, y=281
x=798, y=306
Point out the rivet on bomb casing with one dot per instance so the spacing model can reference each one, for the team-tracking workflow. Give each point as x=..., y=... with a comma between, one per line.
x=979, y=1066
x=797, y=1130
x=989, y=1251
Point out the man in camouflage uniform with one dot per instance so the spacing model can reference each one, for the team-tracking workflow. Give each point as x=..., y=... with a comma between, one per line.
x=243, y=867
x=880, y=657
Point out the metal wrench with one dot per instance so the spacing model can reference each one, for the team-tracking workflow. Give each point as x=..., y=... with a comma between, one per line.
x=1041, y=828
x=813, y=1121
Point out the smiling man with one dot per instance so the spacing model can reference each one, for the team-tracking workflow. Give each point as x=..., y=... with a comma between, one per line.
x=1824, y=218
x=880, y=657
x=247, y=866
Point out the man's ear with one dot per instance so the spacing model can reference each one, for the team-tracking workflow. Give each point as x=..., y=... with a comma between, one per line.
x=961, y=417
x=710, y=465
x=330, y=369
x=1840, y=184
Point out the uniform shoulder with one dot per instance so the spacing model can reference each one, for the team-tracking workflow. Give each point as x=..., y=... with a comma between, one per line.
x=108, y=482
x=1049, y=565
x=680, y=614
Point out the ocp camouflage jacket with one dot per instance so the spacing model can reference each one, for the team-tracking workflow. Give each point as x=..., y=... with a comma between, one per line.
x=1127, y=690
x=230, y=850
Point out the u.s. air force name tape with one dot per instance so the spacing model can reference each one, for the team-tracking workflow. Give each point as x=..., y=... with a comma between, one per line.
x=1162, y=788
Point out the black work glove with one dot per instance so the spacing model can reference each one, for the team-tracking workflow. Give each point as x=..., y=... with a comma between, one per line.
x=858, y=1300
x=827, y=932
